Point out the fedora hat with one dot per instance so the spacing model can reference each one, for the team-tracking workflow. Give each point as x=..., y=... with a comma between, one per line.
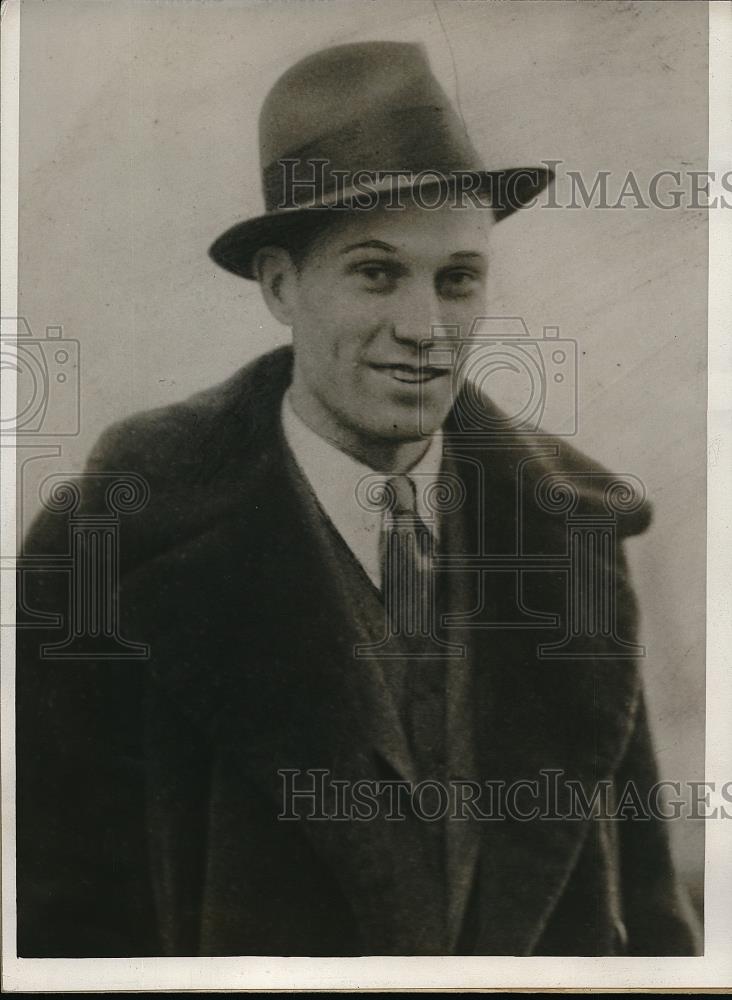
x=348, y=124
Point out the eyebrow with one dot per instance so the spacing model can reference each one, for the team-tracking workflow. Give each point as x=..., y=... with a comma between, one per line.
x=388, y=248
x=372, y=245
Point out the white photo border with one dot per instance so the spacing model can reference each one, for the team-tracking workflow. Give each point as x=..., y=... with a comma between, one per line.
x=712, y=971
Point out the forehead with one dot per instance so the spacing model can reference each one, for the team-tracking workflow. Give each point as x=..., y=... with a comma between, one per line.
x=412, y=230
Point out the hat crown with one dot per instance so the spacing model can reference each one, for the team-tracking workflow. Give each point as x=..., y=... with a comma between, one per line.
x=331, y=89
x=371, y=106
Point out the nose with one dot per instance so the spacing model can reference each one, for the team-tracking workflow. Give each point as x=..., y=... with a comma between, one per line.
x=416, y=313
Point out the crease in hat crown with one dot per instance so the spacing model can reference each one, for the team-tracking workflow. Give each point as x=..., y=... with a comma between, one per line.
x=329, y=90
x=350, y=110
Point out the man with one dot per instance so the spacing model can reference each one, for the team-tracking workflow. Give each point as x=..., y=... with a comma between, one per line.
x=328, y=578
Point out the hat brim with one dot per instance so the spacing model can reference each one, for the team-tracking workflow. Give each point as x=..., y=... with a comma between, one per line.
x=235, y=249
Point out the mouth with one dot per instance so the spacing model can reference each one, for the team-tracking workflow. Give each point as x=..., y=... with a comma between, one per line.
x=411, y=374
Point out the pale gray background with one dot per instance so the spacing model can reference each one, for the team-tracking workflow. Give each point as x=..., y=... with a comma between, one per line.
x=138, y=146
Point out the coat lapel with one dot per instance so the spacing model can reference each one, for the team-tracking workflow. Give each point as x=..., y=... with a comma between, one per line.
x=249, y=638
x=532, y=715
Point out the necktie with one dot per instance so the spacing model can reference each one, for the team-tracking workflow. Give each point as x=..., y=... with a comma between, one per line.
x=407, y=549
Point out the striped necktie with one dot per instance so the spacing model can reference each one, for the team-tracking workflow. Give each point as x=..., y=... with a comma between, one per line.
x=406, y=561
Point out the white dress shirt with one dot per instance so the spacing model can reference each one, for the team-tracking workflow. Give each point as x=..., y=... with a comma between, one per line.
x=338, y=481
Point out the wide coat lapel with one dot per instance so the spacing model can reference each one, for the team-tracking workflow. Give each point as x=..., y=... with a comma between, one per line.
x=531, y=715
x=249, y=638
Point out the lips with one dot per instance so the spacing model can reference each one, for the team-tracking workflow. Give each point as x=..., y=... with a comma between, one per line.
x=410, y=374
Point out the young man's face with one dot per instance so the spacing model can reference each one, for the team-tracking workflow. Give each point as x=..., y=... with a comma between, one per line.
x=370, y=290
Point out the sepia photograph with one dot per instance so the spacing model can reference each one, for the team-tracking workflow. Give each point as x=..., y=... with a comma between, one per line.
x=358, y=536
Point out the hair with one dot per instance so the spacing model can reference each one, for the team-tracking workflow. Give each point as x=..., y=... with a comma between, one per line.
x=305, y=230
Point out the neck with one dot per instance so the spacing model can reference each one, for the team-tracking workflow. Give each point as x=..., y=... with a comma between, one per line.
x=385, y=457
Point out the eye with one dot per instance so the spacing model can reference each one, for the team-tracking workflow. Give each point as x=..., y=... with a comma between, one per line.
x=458, y=283
x=376, y=276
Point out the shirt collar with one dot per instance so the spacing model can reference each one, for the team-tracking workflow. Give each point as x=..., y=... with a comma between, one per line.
x=334, y=478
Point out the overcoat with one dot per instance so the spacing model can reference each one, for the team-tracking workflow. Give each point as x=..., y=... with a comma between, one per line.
x=148, y=793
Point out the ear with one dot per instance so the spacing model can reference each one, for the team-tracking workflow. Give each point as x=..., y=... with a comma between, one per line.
x=277, y=276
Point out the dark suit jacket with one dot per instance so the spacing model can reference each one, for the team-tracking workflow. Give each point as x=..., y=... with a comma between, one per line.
x=147, y=790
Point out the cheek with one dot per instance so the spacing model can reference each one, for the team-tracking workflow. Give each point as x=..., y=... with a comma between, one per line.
x=465, y=312
x=340, y=329
x=330, y=347
x=336, y=325
x=321, y=309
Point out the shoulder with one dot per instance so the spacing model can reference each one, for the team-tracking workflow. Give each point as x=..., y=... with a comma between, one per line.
x=174, y=442
x=170, y=466
x=569, y=481
x=555, y=477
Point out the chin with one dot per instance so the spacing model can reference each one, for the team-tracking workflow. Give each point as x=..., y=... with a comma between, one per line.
x=382, y=421
x=401, y=431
